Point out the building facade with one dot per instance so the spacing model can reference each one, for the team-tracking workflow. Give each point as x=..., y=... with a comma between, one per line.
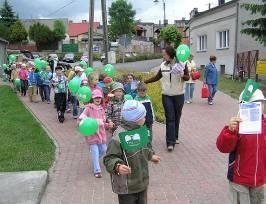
x=217, y=31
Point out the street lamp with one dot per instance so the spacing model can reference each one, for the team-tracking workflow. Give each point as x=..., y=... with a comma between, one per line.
x=164, y=18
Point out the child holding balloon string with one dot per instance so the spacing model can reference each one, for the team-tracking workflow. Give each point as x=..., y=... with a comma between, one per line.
x=96, y=141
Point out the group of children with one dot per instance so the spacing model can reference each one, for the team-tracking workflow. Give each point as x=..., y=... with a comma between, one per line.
x=31, y=80
x=129, y=169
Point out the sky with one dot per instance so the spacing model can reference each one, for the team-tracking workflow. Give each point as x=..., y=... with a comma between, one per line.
x=77, y=10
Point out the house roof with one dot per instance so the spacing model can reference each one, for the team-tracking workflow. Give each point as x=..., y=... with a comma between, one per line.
x=3, y=40
x=75, y=29
x=212, y=10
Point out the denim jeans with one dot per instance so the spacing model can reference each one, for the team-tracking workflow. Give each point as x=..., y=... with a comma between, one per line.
x=97, y=151
x=46, y=90
x=41, y=91
x=173, y=106
x=75, y=106
x=212, y=91
x=189, y=91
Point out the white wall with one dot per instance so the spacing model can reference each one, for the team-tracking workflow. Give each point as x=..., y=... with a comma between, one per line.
x=209, y=25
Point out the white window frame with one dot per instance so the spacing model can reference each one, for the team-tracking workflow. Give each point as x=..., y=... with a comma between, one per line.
x=222, y=39
x=202, y=43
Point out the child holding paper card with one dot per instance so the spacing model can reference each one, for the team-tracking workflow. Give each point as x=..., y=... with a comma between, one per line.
x=129, y=168
x=247, y=155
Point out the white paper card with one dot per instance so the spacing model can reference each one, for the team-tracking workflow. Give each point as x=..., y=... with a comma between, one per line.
x=251, y=116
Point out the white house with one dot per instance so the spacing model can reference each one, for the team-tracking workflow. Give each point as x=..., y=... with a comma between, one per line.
x=217, y=31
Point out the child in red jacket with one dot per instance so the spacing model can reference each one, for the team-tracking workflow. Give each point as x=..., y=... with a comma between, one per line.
x=247, y=158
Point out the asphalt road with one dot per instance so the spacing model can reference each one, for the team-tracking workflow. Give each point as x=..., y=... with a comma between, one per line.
x=142, y=66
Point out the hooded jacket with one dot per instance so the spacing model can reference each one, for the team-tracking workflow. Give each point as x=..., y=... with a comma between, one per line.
x=138, y=180
x=247, y=156
x=98, y=113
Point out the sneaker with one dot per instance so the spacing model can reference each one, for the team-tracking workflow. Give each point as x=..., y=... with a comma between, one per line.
x=170, y=148
x=211, y=103
x=68, y=110
x=48, y=102
x=177, y=142
x=187, y=102
x=98, y=175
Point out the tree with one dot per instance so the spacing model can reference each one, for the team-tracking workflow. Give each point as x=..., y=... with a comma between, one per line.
x=4, y=31
x=7, y=15
x=121, y=18
x=59, y=30
x=256, y=27
x=41, y=35
x=171, y=35
x=17, y=33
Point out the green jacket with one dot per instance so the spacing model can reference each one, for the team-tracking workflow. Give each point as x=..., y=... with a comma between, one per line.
x=138, y=180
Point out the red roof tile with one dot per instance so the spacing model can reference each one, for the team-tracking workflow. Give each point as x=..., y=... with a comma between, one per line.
x=75, y=29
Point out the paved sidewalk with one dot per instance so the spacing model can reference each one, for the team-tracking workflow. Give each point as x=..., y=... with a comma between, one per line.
x=194, y=173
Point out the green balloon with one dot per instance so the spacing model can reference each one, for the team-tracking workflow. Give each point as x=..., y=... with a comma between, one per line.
x=74, y=85
x=12, y=58
x=44, y=64
x=5, y=66
x=182, y=53
x=17, y=82
x=84, y=94
x=128, y=97
x=88, y=127
x=109, y=70
x=84, y=64
x=88, y=71
x=38, y=63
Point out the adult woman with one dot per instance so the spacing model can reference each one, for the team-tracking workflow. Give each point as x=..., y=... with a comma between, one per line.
x=131, y=85
x=190, y=84
x=211, y=78
x=172, y=82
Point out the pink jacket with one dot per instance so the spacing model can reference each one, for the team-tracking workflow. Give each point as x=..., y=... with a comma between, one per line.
x=98, y=113
x=23, y=74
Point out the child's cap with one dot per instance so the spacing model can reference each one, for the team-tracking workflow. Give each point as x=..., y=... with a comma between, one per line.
x=107, y=80
x=84, y=82
x=256, y=96
x=78, y=69
x=251, y=93
x=97, y=94
x=133, y=111
x=116, y=86
x=23, y=65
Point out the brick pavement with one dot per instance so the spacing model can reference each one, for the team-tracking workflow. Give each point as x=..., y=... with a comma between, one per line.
x=193, y=173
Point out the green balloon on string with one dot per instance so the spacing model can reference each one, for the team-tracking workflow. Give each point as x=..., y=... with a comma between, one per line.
x=182, y=53
x=109, y=70
x=128, y=97
x=74, y=85
x=17, y=82
x=88, y=71
x=5, y=66
x=12, y=58
x=88, y=127
x=44, y=64
x=83, y=64
x=84, y=94
x=38, y=63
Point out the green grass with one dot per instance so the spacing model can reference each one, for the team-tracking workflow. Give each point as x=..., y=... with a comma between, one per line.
x=231, y=87
x=24, y=145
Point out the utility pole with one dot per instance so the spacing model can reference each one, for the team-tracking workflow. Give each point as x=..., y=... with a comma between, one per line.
x=91, y=28
x=105, y=31
x=164, y=16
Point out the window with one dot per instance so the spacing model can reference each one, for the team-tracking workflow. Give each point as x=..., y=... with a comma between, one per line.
x=202, y=43
x=222, y=39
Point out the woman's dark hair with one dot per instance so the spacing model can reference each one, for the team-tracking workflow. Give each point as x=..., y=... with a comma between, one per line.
x=170, y=51
x=212, y=58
